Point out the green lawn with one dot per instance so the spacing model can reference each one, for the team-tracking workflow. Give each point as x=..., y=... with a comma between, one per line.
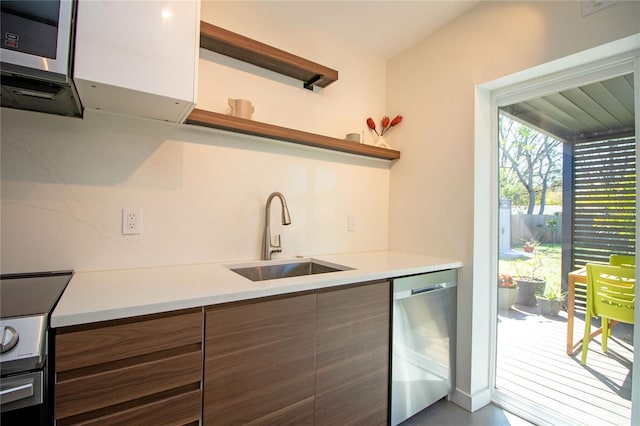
x=546, y=256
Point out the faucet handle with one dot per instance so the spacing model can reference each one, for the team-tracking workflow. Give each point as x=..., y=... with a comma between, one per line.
x=278, y=246
x=274, y=248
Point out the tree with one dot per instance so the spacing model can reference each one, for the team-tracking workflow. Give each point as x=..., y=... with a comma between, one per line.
x=530, y=164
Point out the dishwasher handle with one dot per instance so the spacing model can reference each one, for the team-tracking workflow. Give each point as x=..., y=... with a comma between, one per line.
x=422, y=284
x=428, y=288
x=422, y=291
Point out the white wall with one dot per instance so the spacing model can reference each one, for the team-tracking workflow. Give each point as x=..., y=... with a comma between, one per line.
x=201, y=191
x=433, y=84
x=202, y=194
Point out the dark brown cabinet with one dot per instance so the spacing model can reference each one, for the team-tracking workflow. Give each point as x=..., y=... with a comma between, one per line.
x=352, y=355
x=314, y=358
x=259, y=362
x=136, y=371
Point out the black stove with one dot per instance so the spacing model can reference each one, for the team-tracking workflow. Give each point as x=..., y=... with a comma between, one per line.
x=26, y=376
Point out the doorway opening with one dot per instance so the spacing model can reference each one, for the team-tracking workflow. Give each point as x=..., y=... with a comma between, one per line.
x=567, y=191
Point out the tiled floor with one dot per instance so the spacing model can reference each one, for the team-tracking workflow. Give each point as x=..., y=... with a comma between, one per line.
x=444, y=413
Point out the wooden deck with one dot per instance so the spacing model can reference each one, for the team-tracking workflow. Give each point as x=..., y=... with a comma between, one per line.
x=532, y=363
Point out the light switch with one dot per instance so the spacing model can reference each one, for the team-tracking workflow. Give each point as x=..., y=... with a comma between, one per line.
x=592, y=6
x=351, y=223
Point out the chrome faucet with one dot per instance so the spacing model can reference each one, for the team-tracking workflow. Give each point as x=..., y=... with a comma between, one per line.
x=267, y=247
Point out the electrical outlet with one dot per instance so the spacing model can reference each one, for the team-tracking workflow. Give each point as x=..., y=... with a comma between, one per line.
x=131, y=221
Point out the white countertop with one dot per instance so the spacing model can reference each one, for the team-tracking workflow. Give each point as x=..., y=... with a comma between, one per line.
x=107, y=295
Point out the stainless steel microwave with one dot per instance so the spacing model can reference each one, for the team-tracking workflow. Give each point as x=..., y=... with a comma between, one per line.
x=37, y=56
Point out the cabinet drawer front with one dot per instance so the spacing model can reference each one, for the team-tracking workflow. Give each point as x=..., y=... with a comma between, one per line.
x=175, y=410
x=115, y=342
x=96, y=390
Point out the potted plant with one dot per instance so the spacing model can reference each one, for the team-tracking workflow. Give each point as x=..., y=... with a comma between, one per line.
x=507, y=292
x=528, y=284
x=530, y=244
x=550, y=301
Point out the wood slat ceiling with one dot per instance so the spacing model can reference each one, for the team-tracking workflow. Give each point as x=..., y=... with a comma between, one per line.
x=597, y=111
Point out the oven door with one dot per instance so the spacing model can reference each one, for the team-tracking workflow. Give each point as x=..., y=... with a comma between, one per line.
x=22, y=390
x=21, y=399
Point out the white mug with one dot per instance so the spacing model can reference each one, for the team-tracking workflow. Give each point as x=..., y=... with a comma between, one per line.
x=241, y=108
x=355, y=137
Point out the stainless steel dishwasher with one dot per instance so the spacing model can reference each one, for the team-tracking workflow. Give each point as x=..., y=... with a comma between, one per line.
x=424, y=333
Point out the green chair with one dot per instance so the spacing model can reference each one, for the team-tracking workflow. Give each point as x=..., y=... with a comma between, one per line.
x=611, y=296
x=622, y=260
x=626, y=260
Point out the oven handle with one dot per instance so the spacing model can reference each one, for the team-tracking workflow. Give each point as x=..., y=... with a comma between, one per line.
x=16, y=393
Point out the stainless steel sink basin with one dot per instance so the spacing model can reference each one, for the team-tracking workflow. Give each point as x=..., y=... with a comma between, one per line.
x=286, y=270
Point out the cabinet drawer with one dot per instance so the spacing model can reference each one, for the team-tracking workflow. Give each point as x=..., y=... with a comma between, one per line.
x=119, y=341
x=173, y=410
x=95, y=390
x=136, y=371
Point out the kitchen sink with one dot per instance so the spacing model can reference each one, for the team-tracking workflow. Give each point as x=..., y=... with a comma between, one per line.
x=286, y=270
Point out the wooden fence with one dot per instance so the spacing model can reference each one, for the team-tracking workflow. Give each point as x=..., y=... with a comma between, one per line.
x=545, y=228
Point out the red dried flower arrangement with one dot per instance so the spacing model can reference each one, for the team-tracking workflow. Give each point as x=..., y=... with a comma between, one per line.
x=387, y=124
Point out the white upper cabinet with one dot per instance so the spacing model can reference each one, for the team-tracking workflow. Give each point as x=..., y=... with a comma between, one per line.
x=138, y=57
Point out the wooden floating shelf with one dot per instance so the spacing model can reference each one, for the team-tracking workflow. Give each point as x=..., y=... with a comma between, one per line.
x=254, y=52
x=249, y=127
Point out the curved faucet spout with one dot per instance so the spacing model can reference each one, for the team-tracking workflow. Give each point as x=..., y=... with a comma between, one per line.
x=267, y=246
